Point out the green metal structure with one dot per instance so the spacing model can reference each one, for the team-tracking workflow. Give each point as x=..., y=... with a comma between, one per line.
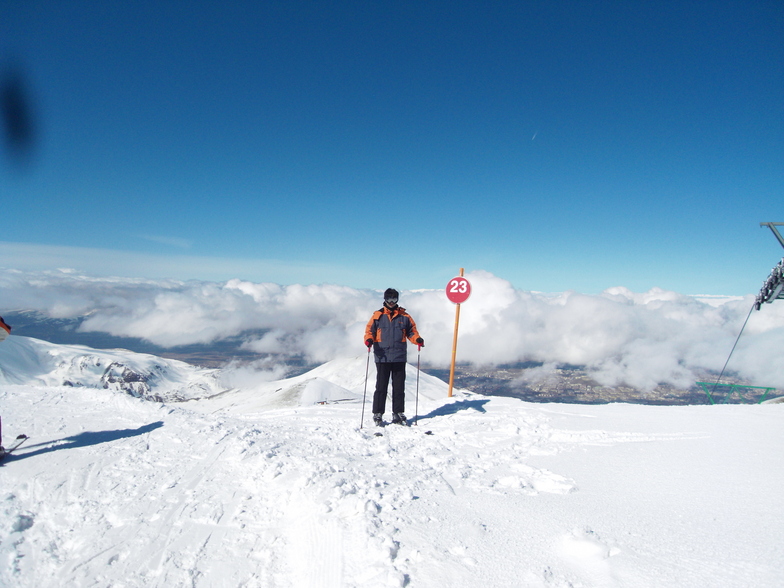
x=710, y=390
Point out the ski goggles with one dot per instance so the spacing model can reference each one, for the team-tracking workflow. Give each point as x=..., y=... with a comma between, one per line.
x=390, y=301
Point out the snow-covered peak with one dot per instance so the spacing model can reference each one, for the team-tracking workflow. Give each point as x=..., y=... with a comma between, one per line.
x=340, y=380
x=28, y=361
x=349, y=373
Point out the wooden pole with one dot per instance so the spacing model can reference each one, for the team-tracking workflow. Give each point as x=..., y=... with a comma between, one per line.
x=454, y=344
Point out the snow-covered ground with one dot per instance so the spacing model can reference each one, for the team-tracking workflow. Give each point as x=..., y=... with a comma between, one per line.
x=275, y=484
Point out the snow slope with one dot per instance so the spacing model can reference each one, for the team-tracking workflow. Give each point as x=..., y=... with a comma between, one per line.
x=235, y=490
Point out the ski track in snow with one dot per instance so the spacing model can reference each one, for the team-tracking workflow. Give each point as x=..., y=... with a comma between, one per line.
x=116, y=491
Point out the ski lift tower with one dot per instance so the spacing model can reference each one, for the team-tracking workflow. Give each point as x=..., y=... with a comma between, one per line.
x=773, y=288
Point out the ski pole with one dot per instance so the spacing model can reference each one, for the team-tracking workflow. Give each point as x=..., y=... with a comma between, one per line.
x=364, y=394
x=416, y=405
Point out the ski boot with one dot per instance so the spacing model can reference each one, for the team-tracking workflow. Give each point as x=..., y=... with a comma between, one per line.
x=377, y=419
x=398, y=418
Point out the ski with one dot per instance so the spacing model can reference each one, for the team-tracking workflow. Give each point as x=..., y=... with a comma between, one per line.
x=414, y=426
x=380, y=434
x=402, y=425
x=19, y=440
x=428, y=432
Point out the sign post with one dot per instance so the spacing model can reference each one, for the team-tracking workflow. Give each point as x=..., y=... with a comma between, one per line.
x=457, y=291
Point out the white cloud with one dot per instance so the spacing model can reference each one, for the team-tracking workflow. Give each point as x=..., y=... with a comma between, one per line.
x=640, y=339
x=249, y=376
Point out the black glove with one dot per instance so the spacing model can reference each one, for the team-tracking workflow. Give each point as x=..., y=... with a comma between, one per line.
x=420, y=341
x=369, y=343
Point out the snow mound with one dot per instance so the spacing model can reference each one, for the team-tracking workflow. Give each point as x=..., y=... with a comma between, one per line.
x=32, y=362
x=340, y=380
x=349, y=373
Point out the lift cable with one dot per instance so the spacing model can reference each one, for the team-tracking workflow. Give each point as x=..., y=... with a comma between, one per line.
x=753, y=306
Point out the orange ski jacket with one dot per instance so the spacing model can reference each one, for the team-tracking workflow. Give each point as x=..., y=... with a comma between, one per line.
x=389, y=329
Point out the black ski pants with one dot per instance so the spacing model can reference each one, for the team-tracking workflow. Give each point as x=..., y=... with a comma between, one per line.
x=397, y=369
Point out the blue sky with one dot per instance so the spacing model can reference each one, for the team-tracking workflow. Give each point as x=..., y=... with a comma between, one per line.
x=557, y=145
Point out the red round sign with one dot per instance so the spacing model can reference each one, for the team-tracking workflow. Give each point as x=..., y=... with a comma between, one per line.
x=458, y=290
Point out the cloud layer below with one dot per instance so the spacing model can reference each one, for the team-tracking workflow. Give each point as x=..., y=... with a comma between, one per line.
x=622, y=337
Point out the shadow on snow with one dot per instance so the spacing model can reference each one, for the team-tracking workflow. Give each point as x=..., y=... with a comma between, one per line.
x=455, y=407
x=85, y=439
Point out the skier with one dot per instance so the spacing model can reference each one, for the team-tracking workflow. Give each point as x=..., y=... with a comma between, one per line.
x=5, y=330
x=386, y=332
